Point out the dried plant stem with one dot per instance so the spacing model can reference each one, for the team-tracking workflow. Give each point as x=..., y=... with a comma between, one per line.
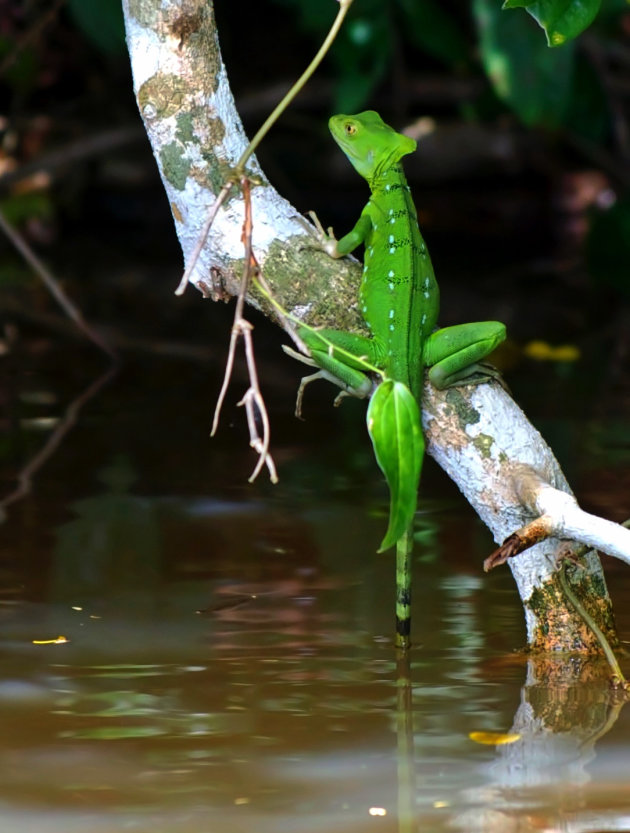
x=253, y=400
x=205, y=231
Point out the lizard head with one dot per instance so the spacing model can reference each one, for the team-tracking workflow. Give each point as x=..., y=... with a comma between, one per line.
x=369, y=143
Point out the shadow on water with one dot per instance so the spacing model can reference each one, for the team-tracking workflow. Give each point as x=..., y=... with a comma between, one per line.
x=228, y=663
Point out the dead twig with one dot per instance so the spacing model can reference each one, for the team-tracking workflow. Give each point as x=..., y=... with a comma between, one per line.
x=524, y=538
x=252, y=400
x=54, y=287
x=25, y=476
x=84, y=148
x=205, y=231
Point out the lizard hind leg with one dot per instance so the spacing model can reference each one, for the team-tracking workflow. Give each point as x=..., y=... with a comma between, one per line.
x=344, y=368
x=454, y=354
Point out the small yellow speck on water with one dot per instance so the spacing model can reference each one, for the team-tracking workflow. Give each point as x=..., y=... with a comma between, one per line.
x=494, y=738
x=76, y=607
x=242, y=800
x=58, y=641
x=439, y=804
x=377, y=811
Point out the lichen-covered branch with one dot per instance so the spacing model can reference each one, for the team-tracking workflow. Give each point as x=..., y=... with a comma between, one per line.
x=188, y=111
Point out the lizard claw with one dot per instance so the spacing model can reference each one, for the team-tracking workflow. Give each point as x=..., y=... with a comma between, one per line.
x=326, y=239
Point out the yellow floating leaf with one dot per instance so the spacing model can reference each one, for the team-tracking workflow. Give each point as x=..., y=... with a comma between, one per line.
x=493, y=738
x=58, y=641
x=541, y=351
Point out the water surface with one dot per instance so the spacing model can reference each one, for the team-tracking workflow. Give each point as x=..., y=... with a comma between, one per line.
x=226, y=660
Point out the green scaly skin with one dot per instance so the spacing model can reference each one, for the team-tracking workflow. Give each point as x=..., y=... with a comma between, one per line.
x=398, y=297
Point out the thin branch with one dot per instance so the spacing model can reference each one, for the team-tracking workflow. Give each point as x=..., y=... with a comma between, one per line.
x=205, y=231
x=53, y=286
x=83, y=148
x=522, y=539
x=566, y=518
x=25, y=477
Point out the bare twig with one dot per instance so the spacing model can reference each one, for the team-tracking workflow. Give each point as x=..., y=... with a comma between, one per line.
x=25, y=477
x=253, y=400
x=83, y=148
x=205, y=231
x=122, y=342
x=53, y=286
x=519, y=541
x=565, y=518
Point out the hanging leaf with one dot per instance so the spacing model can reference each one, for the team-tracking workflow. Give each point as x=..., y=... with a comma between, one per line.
x=536, y=82
x=562, y=20
x=393, y=420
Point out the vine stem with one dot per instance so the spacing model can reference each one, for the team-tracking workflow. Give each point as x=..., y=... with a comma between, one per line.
x=238, y=173
x=344, y=5
x=404, y=547
x=618, y=676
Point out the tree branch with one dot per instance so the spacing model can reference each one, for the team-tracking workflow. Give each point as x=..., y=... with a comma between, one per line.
x=477, y=434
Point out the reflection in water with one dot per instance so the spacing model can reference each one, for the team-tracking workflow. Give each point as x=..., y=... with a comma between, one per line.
x=229, y=667
x=271, y=718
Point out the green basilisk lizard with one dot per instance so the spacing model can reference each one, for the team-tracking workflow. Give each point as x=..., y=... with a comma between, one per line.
x=399, y=301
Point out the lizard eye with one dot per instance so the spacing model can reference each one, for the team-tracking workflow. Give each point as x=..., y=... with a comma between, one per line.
x=350, y=129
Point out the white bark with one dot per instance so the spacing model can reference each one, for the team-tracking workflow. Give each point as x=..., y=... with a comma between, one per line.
x=477, y=434
x=188, y=111
x=484, y=441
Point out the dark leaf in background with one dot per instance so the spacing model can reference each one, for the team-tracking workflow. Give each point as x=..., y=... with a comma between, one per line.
x=102, y=22
x=534, y=81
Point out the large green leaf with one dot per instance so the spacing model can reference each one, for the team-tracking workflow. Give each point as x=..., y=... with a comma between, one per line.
x=536, y=82
x=562, y=20
x=393, y=420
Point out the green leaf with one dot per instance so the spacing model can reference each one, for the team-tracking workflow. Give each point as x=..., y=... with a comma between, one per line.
x=393, y=420
x=536, y=82
x=562, y=20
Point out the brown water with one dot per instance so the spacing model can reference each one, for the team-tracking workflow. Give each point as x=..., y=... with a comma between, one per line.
x=229, y=664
